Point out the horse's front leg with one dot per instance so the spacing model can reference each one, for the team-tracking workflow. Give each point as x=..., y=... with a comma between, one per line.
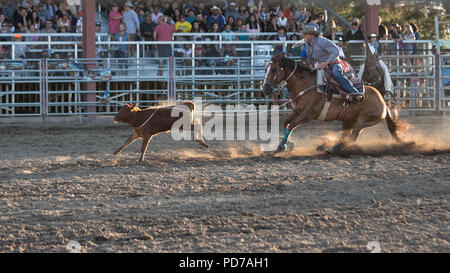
x=297, y=120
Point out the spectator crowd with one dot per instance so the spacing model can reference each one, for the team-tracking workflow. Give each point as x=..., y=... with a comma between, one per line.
x=157, y=20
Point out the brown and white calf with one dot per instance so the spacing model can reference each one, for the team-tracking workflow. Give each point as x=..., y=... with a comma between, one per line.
x=149, y=122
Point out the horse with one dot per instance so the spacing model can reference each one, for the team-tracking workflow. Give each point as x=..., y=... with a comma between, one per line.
x=310, y=103
x=373, y=74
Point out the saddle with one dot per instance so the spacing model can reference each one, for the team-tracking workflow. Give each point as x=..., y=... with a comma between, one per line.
x=333, y=87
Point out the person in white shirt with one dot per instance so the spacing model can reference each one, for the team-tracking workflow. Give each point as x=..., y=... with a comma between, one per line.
x=375, y=48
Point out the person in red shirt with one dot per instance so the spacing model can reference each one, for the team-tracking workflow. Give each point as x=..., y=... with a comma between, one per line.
x=163, y=32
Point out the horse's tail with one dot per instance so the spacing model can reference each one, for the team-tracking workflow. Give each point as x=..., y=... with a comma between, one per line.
x=395, y=126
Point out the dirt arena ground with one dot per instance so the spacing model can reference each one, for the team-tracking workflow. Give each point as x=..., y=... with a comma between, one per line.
x=59, y=183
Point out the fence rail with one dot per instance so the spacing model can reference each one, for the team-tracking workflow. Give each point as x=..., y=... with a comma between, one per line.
x=220, y=72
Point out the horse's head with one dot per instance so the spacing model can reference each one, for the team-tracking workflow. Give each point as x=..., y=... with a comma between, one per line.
x=373, y=72
x=275, y=74
x=125, y=114
x=280, y=69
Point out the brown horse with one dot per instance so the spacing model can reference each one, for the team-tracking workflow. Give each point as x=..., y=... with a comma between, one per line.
x=310, y=103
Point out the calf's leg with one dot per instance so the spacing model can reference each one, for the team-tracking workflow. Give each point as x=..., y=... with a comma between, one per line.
x=130, y=140
x=198, y=136
x=144, y=146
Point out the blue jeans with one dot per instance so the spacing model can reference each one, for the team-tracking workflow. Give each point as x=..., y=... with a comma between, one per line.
x=345, y=83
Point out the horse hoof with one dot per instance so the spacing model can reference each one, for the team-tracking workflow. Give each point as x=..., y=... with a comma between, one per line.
x=321, y=148
x=290, y=146
x=281, y=148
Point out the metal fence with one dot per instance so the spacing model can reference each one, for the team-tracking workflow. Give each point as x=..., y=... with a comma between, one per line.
x=222, y=72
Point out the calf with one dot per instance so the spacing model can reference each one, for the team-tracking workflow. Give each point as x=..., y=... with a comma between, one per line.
x=152, y=121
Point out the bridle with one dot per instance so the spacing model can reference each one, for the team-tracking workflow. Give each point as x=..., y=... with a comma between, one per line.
x=283, y=83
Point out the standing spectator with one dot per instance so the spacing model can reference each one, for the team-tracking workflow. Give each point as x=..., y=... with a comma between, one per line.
x=123, y=49
x=163, y=32
x=131, y=21
x=416, y=47
x=382, y=30
x=20, y=50
x=215, y=17
x=183, y=25
x=395, y=35
x=355, y=34
x=156, y=14
x=147, y=29
x=115, y=18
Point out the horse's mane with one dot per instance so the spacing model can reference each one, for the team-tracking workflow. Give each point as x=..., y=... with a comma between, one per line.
x=289, y=63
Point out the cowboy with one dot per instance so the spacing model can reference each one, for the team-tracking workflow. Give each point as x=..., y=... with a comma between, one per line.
x=375, y=48
x=323, y=53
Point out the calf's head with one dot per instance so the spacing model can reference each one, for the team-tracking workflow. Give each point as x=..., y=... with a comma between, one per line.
x=125, y=113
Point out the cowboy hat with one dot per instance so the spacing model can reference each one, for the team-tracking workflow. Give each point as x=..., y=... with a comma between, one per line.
x=373, y=35
x=215, y=7
x=311, y=30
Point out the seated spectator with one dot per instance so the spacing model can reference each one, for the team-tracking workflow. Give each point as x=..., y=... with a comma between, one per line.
x=34, y=20
x=51, y=8
x=314, y=20
x=64, y=21
x=232, y=10
x=201, y=22
x=243, y=29
x=196, y=29
x=230, y=21
x=215, y=17
x=282, y=20
x=156, y=14
x=183, y=25
x=48, y=27
x=43, y=13
x=253, y=26
x=228, y=32
x=20, y=19
x=191, y=16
